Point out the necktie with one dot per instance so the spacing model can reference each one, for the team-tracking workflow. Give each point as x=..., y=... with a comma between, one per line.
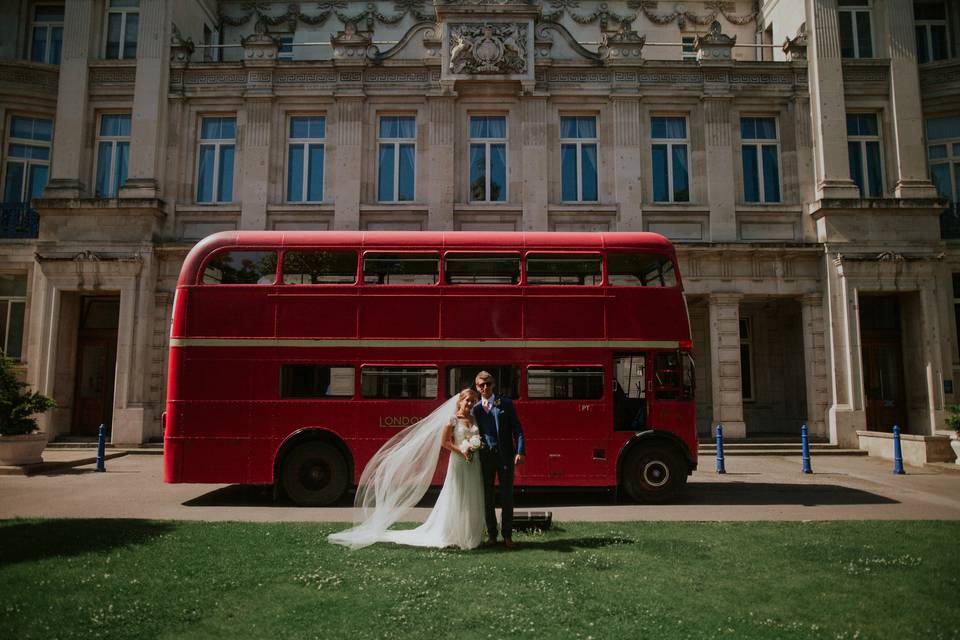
x=486, y=406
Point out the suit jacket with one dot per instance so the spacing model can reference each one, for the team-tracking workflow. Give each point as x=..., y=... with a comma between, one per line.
x=500, y=429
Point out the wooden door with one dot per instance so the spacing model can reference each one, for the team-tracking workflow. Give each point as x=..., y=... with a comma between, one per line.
x=883, y=387
x=96, y=365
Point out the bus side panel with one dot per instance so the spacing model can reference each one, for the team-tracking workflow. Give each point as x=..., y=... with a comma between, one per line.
x=305, y=315
x=405, y=315
x=679, y=419
x=214, y=312
x=651, y=312
x=550, y=316
x=482, y=316
x=562, y=439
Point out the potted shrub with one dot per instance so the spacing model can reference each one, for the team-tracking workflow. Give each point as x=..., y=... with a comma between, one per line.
x=20, y=440
x=953, y=422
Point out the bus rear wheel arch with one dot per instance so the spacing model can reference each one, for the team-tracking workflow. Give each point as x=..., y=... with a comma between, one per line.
x=653, y=472
x=314, y=473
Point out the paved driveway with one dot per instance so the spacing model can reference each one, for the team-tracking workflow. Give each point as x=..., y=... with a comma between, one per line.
x=755, y=488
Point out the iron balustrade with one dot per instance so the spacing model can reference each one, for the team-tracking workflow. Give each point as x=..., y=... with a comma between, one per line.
x=18, y=220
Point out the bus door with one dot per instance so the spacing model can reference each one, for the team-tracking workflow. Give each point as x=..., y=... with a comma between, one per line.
x=630, y=391
x=672, y=406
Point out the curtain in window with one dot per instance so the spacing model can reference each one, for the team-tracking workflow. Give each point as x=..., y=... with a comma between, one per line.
x=37, y=181
x=407, y=174
x=130, y=37
x=315, y=174
x=661, y=188
x=104, y=153
x=681, y=187
x=385, y=179
x=478, y=176
x=295, y=173
x=568, y=172
x=498, y=172
x=588, y=163
x=771, y=174
x=225, y=183
x=751, y=179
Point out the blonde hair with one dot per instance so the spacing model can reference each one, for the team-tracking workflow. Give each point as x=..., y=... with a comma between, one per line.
x=469, y=391
x=485, y=376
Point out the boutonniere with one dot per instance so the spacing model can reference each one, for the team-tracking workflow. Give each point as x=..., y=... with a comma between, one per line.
x=496, y=402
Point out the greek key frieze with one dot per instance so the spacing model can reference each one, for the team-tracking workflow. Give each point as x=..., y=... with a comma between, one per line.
x=305, y=78
x=113, y=76
x=259, y=76
x=351, y=76
x=864, y=75
x=624, y=76
x=579, y=76
x=32, y=78
x=215, y=78
x=670, y=78
x=760, y=78
x=389, y=76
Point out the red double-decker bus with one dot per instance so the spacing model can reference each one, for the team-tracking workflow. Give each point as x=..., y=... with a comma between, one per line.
x=294, y=356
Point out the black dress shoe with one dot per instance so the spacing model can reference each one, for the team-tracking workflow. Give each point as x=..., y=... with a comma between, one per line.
x=508, y=544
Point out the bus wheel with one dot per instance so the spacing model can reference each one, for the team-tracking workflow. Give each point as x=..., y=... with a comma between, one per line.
x=653, y=473
x=314, y=474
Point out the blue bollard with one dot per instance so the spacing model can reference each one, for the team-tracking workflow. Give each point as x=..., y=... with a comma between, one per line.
x=720, y=466
x=897, y=452
x=805, y=442
x=101, y=447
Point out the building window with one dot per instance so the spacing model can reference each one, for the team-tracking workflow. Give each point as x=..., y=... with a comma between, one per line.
x=687, y=51
x=856, y=39
x=930, y=22
x=46, y=34
x=578, y=158
x=397, y=140
x=863, y=149
x=943, y=158
x=28, y=158
x=746, y=359
x=670, y=168
x=285, y=52
x=215, y=167
x=13, y=301
x=760, y=149
x=305, y=148
x=488, y=158
x=123, y=19
x=113, y=150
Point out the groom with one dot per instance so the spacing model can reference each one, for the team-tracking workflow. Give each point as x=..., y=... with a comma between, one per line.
x=499, y=426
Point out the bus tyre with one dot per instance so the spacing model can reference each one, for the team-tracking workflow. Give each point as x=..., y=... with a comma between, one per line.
x=653, y=473
x=314, y=474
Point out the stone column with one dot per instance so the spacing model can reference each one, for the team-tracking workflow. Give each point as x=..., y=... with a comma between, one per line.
x=721, y=185
x=70, y=126
x=536, y=164
x=149, y=102
x=907, y=112
x=442, y=180
x=349, y=127
x=815, y=362
x=806, y=180
x=627, y=157
x=255, y=164
x=845, y=413
x=725, y=355
x=934, y=365
x=828, y=107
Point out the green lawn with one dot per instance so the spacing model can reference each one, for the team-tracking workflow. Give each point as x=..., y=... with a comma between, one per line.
x=137, y=579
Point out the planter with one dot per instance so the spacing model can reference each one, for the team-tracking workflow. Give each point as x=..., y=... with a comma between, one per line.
x=955, y=445
x=24, y=449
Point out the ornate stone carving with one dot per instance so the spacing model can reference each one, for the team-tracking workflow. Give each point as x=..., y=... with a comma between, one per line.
x=180, y=49
x=260, y=47
x=350, y=43
x=715, y=46
x=624, y=44
x=681, y=15
x=490, y=48
x=796, y=47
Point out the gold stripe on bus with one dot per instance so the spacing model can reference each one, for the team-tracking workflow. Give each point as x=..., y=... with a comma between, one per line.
x=446, y=344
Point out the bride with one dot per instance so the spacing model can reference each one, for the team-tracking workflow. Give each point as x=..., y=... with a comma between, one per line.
x=399, y=474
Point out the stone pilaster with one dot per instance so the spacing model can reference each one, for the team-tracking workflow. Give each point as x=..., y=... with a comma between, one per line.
x=806, y=183
x=721, y=185
x=255, y=153
x=815, y=363
x=907, y=113
x=535, y=164
x=828, y=107
x=347, y=164
x=727, y=395
x=149, y=102
x=628, y=183
x=845, y=414
x=70, y=127
x=441, y=157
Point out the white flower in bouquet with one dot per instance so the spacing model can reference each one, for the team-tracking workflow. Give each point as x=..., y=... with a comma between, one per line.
x=475, y=443
x=464, y=447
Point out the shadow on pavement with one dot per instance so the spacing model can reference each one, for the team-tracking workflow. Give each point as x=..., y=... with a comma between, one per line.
x=27, y=541
x=766, y=493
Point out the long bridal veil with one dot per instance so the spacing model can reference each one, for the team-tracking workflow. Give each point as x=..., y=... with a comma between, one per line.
x=396, y=478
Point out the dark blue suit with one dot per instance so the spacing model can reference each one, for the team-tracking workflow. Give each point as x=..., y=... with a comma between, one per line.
x=503, y=439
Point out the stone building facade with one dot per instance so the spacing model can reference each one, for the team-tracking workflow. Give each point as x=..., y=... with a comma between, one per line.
x=786, y=147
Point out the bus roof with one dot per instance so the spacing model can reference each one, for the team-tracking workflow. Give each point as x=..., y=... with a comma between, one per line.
x=386, y=240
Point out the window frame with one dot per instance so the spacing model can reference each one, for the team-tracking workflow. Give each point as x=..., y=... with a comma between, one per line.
x=454, y=253
x=396, y=143
x=862, y=141
x=306, y=143
x=487, y=143
x=27, y=162
x=670, y=143
x=113, y=140
x=10, y=302
x=759, y=143
x=594, y=367
x=201, y=274
x=951, y=161
x=414, y=365
x=323, y=398
x=579, y=143
x=688, y=55
x=217, y=143
x=288, y=250
x=854, y=10
x=124, y=14
x=48, y=39
x=417, y=252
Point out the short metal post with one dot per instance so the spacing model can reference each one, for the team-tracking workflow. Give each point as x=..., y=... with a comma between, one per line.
x=720, y=467
x=897, y=452
x=101, y=447
x=805, y=443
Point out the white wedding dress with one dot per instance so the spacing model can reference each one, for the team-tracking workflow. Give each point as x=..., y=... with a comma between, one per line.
x=399, y=474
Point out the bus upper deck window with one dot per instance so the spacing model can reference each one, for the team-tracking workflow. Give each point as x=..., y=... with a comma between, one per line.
x=241, y=267
x=482, y=268
x=563, y=269
x=640, y=270
x=319, y=267
x=401, y=268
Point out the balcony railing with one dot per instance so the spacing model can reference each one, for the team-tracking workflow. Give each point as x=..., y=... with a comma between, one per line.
x=18, y=220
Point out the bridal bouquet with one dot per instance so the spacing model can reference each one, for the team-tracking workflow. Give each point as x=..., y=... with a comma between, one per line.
x=471, y=444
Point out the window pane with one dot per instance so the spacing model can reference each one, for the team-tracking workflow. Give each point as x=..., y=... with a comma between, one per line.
x=766, y=128
x=929, y=11
x=681, y=187
x=295, y=173
x=15, y=331
x=36, y=181
x=498, y=172
x=856, y=164
x=114, y=23
x=56, y=45
x=748, y=128
x=771, y=174
x=407, y=173
x=205, y=173
x=922, y=50
x=565, y=383
x=940, y=175
x=568, y=172
x=241, y=267
x=478, y=173
x=661, y=188
x=398, y=382
x=874, y=170
x=129, y=4
x=640, y=269
x=299, y=127
x=123, y=154
x=48, y=13
x=385, y=178
x=407, y=127
x=401, y=268
x=478, y=127
x=104, y=157
x=316, y=381
x=497, y=126
x=937, y=152
x=228, y=128
x=751, y=176
x=845, y=20
x=225, y=183
x=318, y=127
x=388, y=126
x=315, y=174
x=319, y=267
x=676, y=127
x=482, y=268
x=940, y=128
x=588, y=165
x=938, y=42
x=210, y=129
x=564, y=269
x=463, y=376
x=586, y=127
x=868, y=124
x=130, y=38
x=568, y=127
x=864, y=40
x=38, y=48
x=13, y=183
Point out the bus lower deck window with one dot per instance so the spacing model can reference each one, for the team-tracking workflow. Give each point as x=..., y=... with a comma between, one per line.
x=411, y=383
x=463, y=376
x=565, y=383
x=316, y=381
